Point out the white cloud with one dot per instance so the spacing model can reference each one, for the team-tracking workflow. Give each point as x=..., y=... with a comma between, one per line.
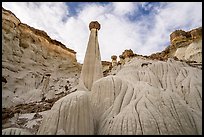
x=145, y=35
x=122, y=8
x=173, y=16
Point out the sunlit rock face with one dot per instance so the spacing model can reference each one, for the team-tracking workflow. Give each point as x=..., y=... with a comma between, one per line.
x=193, y=52
x=179, y=35
x=186, y=46
x=34, y=66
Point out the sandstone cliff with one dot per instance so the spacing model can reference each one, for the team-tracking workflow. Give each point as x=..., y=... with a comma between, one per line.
x=185, y=46
x=35, y=68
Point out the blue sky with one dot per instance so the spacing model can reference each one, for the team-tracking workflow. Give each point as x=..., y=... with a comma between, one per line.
x=143, y=27
x=73, y=6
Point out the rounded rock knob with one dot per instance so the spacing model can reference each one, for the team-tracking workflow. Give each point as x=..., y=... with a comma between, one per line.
x=114, y=57
x=94, y=24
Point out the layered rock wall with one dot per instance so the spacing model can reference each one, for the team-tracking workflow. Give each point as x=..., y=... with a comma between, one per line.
x=34, y=66
x=186, y=46
x=180, y=35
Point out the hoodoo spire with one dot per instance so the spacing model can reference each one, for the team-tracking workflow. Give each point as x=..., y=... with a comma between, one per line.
x=92, y=67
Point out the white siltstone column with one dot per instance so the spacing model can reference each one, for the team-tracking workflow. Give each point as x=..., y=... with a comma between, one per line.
x=92, y=67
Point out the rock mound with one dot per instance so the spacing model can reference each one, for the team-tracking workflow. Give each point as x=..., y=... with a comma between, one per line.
x=70, y=115
x=156, y=98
